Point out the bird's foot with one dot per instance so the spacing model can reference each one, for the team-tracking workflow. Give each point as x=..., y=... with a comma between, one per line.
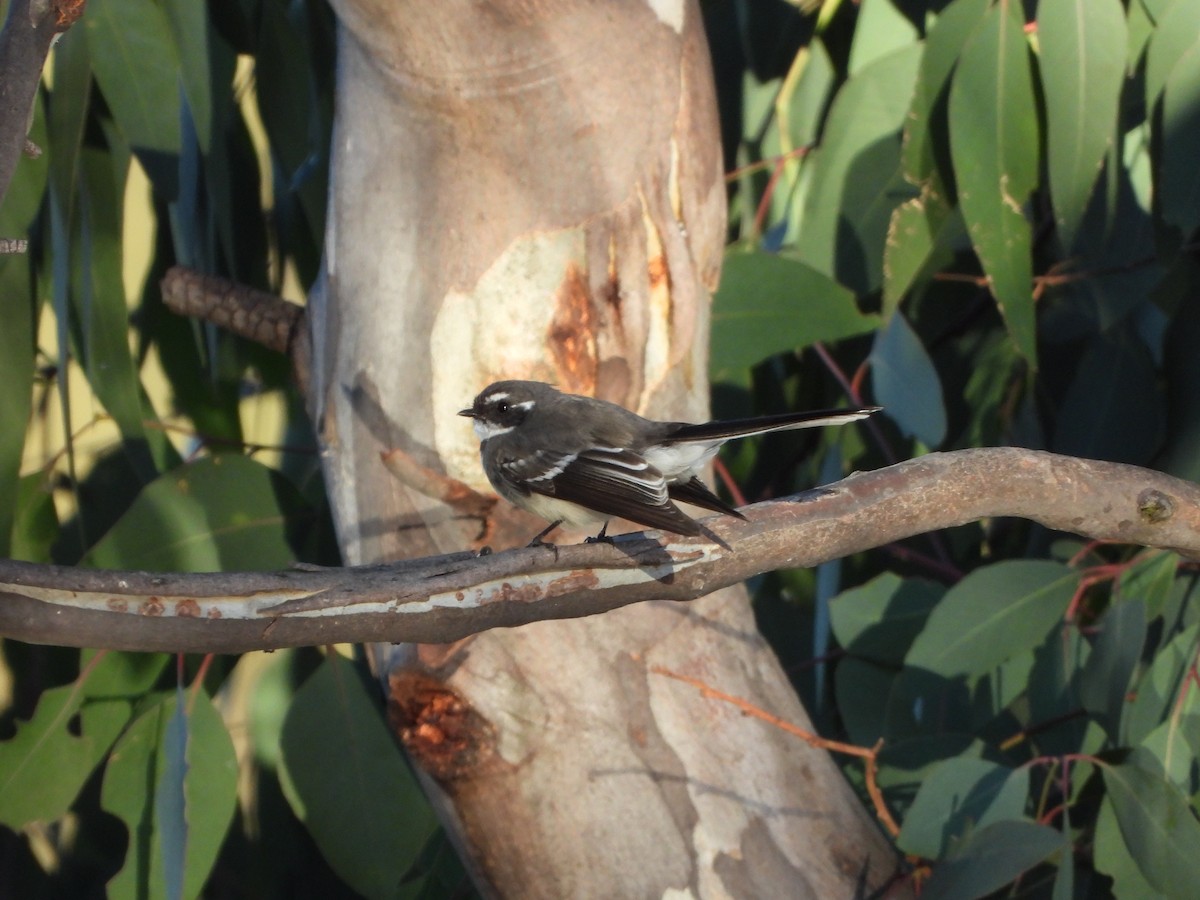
x=601, y=538
x=537, y=538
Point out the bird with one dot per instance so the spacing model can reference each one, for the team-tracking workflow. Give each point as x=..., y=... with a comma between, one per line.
x=579, y=460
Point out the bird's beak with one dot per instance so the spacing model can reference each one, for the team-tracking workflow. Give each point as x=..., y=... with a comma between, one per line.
x=469, y=413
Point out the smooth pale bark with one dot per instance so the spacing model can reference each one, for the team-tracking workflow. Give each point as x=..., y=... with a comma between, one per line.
x=533, y=189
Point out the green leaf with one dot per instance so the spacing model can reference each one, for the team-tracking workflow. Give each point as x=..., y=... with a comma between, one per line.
x=1157, y=691
x=170, y=798
x=189, y=27
x=921, y=236
x=879, y=620
x=1053, y=691
x=1157, y=822
x=44, y=766
x=1083, y=70
x=880, y=29
x=1177, y=33
x=926, y=138
x=906, y=383
x=133, y=781
x=100, y=317
x=1149, y=581
x=1114, y=408
x=1105, y=679
x=36, y=520
x=991, y=615
x=122, y=675
x=994, y=145
x=218, y=514
x=349, y=784
x=991, y=858
x=1113, y=858
x=856, y=178
x=770, y=304
x=1179, y=178
x=958, y=796
x=16, y=376
x=862, y=690
x=134, y=58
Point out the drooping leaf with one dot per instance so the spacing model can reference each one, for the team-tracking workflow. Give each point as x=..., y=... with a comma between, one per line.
x=134, y=777
x=1083, y=70
x=1113, y=409
x=1105, y=679
x=1157, y=690
x=1149, y=581
x=1157, y=822
x=349, y=784
x=958, y=796
x=991, y=858
x=991, y=615
x=1179, y=180
x=881, y=29
x=134, y=58
x=906, y=383
x=769, y=304
x=921, y=236
x=1113, y=857
x=188, y=23
x=1053, y=692
x=861, y=689
x=1177, y=33
x=856, y=178
x=219, y=513
x=994, y=145
x=926, y=150
x=170, y=798
x=99, y=316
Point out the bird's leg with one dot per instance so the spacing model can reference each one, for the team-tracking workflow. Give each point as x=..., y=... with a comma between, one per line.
x=537, y=539
x=602, y=537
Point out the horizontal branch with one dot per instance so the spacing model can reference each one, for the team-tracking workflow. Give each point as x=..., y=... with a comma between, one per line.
x=444, y=598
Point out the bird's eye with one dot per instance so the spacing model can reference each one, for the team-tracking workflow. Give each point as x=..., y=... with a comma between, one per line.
x=502, y=407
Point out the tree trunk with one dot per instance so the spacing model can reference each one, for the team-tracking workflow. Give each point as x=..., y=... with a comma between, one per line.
x=530, y=189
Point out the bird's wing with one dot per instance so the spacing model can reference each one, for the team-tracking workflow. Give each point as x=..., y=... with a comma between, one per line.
x=609, y=480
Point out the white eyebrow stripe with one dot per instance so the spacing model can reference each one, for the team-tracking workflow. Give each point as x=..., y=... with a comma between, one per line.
x=499, y=395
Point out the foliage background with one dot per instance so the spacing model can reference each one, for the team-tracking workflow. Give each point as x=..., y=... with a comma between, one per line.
x=980, y=214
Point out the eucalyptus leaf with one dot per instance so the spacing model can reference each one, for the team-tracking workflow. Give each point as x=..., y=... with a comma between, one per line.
x=906, y=384
x=1157, y=822
x=1083, y=54
x=991, y=615
x=770, y=304
x=349, y=784
x=133, y=781
x=994, y=144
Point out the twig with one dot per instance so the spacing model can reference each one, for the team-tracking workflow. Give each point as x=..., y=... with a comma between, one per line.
x=869, y=754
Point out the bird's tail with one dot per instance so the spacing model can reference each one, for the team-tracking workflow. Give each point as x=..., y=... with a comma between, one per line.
x=731, y=428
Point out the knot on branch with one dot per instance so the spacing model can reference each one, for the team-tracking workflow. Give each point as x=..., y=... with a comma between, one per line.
x=1154, y=506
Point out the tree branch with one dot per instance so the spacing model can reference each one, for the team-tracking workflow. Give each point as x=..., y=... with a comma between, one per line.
x=444, y=598
x=25, y=40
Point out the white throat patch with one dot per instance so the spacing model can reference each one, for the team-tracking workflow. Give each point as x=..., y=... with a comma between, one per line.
x=485, y=430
